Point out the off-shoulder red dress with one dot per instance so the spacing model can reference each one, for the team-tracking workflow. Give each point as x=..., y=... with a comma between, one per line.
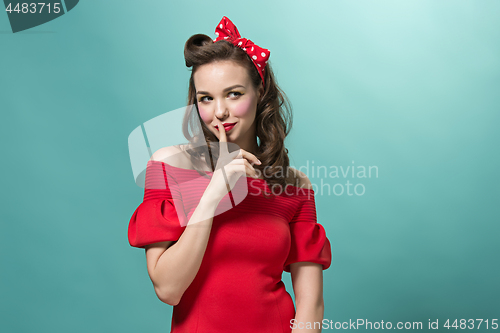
x=238, y=287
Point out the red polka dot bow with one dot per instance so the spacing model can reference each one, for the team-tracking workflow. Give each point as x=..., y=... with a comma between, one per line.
x=227, y=30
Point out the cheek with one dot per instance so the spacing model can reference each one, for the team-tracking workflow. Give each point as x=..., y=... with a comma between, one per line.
x=243, y=108
x=204, y=114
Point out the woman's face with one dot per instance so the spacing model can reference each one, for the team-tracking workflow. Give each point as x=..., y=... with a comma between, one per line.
x=224, y=91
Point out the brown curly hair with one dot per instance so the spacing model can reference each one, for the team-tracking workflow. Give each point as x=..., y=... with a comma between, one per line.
x=273, y=119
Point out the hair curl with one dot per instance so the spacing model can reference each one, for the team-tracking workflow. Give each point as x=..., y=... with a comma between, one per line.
x=273, y=119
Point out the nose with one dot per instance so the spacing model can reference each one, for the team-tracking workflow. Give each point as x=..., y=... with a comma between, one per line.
x=221, y=111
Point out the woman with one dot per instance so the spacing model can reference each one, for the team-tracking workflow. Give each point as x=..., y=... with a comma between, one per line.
x=219, y=259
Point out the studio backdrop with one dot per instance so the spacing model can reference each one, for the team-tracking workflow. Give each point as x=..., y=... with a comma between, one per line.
x=395, y=121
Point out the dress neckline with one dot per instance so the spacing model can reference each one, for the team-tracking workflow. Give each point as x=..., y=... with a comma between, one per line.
x=311, y=191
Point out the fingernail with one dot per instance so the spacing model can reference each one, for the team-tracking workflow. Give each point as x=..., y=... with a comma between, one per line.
x=258, y=161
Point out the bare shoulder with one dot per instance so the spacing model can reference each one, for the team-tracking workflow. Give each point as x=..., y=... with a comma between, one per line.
x=172, y=155
x=164, y=153
x=300, y=179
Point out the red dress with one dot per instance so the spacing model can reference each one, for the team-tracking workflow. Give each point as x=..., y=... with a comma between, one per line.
x=238, y=287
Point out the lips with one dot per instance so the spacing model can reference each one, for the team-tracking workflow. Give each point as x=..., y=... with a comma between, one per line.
x=227, y=126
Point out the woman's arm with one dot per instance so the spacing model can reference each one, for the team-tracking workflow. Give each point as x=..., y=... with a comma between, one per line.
x=172, y=268
x=307, y=280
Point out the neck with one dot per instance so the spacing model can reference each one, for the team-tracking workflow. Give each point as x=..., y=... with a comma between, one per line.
x=250, y=146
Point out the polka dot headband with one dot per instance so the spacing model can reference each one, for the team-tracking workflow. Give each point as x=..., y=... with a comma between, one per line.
x=228, y=31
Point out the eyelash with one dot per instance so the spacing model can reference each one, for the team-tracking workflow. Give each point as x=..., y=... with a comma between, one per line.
x=232, y=92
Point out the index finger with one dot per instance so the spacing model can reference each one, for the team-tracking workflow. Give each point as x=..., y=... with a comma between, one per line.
x=222, y=138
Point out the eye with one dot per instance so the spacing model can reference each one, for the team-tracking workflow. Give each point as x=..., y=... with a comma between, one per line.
x=235, y=92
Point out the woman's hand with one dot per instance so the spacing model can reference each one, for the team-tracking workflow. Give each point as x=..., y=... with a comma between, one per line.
x=230, y=166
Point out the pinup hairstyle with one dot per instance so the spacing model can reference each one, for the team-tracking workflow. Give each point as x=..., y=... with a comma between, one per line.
x=273, y=118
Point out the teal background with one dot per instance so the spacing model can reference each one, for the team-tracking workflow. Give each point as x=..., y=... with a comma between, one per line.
x=411, y=87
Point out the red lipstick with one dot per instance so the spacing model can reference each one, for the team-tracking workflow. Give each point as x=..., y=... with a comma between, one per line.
x=227, y=126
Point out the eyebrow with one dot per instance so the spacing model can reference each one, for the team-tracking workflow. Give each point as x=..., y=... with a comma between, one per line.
x=228, y=88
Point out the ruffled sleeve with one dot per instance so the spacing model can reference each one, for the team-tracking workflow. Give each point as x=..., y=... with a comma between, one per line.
x=309, y=241
x=156, y=219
